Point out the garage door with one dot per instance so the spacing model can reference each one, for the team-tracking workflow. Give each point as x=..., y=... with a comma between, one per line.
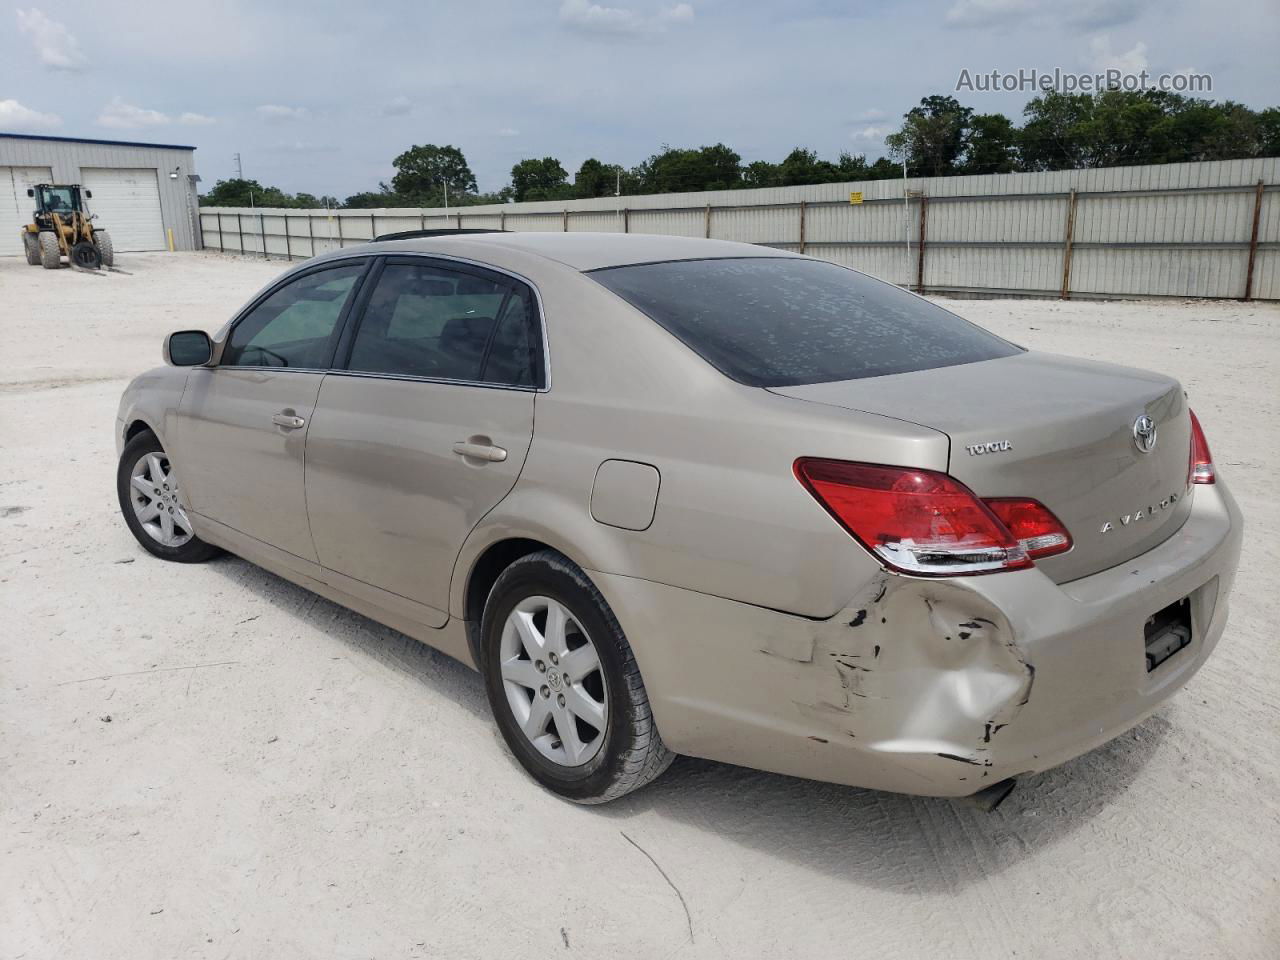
x=15, y=205
x=127, y=205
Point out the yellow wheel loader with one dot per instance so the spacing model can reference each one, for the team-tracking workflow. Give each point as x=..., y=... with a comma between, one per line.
x=60, y=228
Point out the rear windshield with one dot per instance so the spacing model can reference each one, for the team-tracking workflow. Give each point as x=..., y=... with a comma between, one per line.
x=775, y=322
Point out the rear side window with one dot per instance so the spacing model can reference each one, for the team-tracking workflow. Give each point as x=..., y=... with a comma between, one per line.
x=441, y=324
x=774, y=322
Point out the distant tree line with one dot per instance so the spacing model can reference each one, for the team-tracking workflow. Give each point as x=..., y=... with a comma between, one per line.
x=938, y=138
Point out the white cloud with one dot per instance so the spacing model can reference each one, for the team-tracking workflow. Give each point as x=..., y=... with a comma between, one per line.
x=1080, y=15
x=621, y=21
x=126, y=116
x=397, y=107
x=871, y=132
x=508, y=132
x=14, y=116
x=981, y=13
x=874, y=113
x=277, y=113
x=1133, y=60
x=195, y=119
x=54, y=44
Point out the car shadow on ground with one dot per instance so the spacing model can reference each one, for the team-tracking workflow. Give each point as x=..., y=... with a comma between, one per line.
x=889, y=841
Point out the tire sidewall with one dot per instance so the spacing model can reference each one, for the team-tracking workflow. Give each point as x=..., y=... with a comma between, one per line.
x=528, y=578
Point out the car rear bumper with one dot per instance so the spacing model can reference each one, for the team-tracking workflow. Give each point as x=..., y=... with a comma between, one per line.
x=932, y=687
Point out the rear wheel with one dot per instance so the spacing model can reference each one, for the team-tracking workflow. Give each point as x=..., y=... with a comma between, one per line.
x=564, y=685
x=31, y=247
x=152, y=503
x=50, y=252
x=105, y=250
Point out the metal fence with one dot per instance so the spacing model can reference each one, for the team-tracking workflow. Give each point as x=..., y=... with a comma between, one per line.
x=1207, y=229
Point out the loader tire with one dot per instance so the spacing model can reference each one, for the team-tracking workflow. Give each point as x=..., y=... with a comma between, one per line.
x=50, y=253
x=31, y=247
x=105, y=250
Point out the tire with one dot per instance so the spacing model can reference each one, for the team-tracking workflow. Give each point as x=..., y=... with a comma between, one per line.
x=628, y=752
x=31, y=247
x=50, y=254
x=166, y=533
x=105, y=249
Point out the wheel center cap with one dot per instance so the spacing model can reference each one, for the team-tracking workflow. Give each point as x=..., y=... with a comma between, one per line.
x=553, y=680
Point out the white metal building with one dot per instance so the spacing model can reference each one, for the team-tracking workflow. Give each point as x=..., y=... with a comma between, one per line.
x=141, y=191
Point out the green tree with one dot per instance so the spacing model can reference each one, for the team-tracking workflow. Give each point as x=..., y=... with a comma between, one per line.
x=990, y=145
x=677, y=171
x=543, y=179
x=595, y=179
x=932, y=137
x=237, y=192
x=423, y=172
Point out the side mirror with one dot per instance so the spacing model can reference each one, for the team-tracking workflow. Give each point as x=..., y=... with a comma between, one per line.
x=89, y=194
x=30, y=192
x=188, y=348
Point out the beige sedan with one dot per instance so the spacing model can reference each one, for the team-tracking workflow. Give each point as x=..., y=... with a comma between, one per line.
x=686, y=496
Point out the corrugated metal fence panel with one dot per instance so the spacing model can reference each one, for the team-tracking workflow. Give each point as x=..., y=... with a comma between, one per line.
x=1172, y=230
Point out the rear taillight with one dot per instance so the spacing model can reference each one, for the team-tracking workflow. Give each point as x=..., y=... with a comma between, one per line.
x=1033, y=525
x=914, y=521
x=1201, y=460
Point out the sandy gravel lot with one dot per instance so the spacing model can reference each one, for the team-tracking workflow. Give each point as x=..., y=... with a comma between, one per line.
x=210, y=762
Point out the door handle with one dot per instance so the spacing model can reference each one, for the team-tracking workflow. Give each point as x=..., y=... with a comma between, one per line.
x=288, y=421
x=480, y=451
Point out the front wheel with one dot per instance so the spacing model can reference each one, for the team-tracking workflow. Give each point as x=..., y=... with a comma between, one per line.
x=105, y=250
x=152, y=503
x=31, y=247
x=50, y=251
x=564, y=685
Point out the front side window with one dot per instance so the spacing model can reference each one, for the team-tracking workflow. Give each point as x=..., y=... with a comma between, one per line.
x=773, y=322
x=440, y=324
x=295, y=325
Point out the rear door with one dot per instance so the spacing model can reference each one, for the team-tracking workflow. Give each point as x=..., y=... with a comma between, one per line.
x=427, y=427
x=242, y=425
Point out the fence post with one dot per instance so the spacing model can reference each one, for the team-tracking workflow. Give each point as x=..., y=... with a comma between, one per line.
x=221, y=245
x=626, y=219
x=1067, y=242
x=1253, y=243
x=924, y=216
x=706, y=223
x=240, y=231
x=459, y=219
x=502, y=219
x=802, y=210
x=262, y=234
x=311, y=235
x=564, y=221
x=288, y=247
x=341, y=242
x=373, y=226
x=422, y=220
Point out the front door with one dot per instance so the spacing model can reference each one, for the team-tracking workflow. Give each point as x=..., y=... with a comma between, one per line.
x=427, y=427
x=242, y=425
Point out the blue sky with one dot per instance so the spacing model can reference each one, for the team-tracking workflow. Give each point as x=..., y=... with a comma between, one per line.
x=321, y=96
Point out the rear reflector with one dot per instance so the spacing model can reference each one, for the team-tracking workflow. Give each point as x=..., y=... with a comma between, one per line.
x=915, y=521
x=1201, y=460
x=1033, y=525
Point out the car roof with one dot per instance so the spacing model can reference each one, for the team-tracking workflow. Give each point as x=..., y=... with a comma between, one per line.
x=579, y=250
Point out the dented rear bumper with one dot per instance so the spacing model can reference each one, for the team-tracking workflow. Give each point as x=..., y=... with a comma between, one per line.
x=933, y=687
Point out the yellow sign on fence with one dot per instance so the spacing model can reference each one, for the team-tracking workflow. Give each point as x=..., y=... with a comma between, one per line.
x=855, y=196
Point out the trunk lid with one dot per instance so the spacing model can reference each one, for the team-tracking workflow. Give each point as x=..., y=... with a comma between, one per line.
x=1054, y=428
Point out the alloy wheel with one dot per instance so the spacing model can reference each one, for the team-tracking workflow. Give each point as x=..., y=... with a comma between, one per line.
x=554, y=684
x=153, y=490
